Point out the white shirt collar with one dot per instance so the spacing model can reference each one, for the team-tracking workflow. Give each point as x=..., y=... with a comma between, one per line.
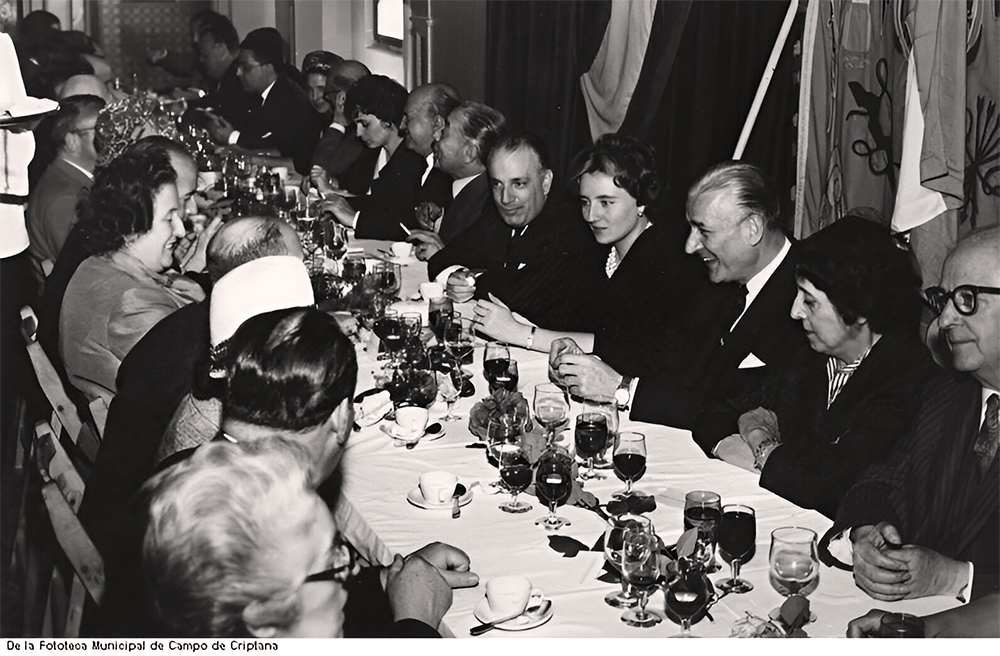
x=338, y=127
x=757, y=283
x=266, y=91
x=459, y=185
x=427, y=170
x=78, y=168
x=383, y=159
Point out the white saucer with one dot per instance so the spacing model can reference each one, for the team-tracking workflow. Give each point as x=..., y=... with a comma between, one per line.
x=392, y=430
x=419, y=501
x=484, y=614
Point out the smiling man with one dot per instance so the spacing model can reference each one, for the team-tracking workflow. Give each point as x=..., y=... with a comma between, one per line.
x=741, y=331
x=927, y=521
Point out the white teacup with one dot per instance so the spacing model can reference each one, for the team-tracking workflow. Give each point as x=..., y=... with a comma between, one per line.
x=429, y=290
x=411, y=420
x=438, y=486
x=402, y=249
x=509, y=595
x=282, y=172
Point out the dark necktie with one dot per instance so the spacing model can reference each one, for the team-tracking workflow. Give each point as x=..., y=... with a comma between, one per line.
x=986, y=443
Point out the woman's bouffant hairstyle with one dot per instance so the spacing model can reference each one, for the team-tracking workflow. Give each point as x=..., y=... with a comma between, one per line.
x=214, y=524
x=288, y=370
x=378, y=95
x=865, y=271
x=630, y=162
x=121, y=201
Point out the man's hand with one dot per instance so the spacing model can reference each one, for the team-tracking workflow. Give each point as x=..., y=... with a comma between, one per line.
x=461, y=286
x=586, y=376
x=317, y=175
x=416, y=590
x=557, y=348
x=428, y=212
x=425, y=243
x=190, y=253
x=219, y=128
x=451, y=562
x=499, y=323
x=866, y=626
x=930, y=573
x=877, y=569
x=340, y=208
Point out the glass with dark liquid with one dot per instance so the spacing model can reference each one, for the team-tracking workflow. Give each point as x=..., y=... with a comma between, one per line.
x=515, y=474
x=553, y=485
x=591, y=438
x=737, y=533
x=703, y=510
x=629, y=458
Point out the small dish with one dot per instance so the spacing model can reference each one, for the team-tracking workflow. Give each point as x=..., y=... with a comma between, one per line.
x=392, y=430
x=419, y=501
x=484, y=614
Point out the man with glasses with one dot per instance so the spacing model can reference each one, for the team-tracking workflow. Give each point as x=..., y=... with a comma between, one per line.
x=52, y=207
x=925, y=522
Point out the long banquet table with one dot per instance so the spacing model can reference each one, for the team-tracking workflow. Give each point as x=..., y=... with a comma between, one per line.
x=378, y=475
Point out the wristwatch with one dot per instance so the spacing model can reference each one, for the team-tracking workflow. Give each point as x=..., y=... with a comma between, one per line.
x=623, y=395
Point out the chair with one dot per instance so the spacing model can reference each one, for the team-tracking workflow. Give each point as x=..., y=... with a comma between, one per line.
x=61, y=493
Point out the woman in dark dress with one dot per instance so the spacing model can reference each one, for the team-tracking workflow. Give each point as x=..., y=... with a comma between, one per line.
x=649, y=277
x=844, y=401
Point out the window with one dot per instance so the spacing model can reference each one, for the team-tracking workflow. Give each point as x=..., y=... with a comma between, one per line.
x=388, y=17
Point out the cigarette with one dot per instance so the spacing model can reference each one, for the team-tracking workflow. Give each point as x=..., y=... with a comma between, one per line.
x=405, y=229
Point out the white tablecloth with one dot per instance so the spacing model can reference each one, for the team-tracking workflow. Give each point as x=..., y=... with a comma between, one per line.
x=378, y=476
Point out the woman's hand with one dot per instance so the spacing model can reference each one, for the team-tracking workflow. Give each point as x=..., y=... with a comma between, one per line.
x=190, y=253
x=499, y=323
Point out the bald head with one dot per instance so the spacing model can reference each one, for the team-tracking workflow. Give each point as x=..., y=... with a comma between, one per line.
x=247, y=239
x=427, y=108
x=342, y=77
x=85, y=85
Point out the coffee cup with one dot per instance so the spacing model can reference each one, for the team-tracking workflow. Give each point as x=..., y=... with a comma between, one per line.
x=429, y=290
x=438, y=486
x=510, y=595
x=402, y=249
x=411, y=420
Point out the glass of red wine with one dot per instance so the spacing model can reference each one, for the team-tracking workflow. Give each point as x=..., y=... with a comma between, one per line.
x=641, y=569
x=515, y=474
x=507, y=378
x=440, y=311
x=381, y=328
x=591, y=438
x=629, y=458
x=614, y=540
x=703, y=510
x=610, y=410
x=688, y=595
x=495, y=362
x=553, y=485
x=737, y=543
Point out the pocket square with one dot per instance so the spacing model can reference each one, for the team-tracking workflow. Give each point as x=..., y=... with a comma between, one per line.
x=752, y=362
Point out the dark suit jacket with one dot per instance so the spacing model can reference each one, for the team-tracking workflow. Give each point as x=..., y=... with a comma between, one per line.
x=392, y=198
x=824, y=451
x=337, y=151
x=226, y=98
x=930, y=488
x=766, y=329
x=285, y=121
x=51, y=212
x=472, y=203
x=638, y=322
x=544, y=274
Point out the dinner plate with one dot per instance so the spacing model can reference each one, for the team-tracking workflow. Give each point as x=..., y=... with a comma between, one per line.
x=419, y=501
x=484, y=614
x=26, y=111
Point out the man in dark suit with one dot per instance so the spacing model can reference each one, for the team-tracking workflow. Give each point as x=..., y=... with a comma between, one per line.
x=424, y=118
x=530, y=251
x=470, y=132
x=285, y=120
x=740, y=332
x=926, y=521
x=218, y=48
x=340, y=147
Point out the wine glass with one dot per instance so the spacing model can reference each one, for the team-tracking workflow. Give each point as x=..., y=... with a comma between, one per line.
x=450, y=382
x=334, y=239
x=641, y=569
x=687, y=595
x=459, y=338
x=388, y=276
x=495, y=362
x=413, y=326
x=610, y=410
x=737, y=541
x=553, y=484
x=591, y=438
x=389, y=330
x=702, y=510
x=614, y=539
x=500, y=430
x=353, y=268
x=515, y=473
x=506, y=378
x=440, y=311
x=793, y=564
x=551, y=406
x=629, y=458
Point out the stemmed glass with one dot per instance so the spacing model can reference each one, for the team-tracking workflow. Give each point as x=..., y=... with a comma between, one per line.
x=737, y=540
x=450, y=384
x=500, y=430
x=609, y=410
x=687, y=595
x=703, y=510
x=459, y=338
x=614, y=539
x=495, y=362
x=591, y=438
x=641, y=569
x=388, y=276
x=629, y=458
x=392, y=334
x=385, y=325
x=334, y=239
x=506, y=378
x=515, y=473
x=793, y=563
x=553, y=484
x=440, y=312
x=551, y=406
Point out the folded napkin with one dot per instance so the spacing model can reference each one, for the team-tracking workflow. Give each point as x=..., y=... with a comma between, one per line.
x=372, y=408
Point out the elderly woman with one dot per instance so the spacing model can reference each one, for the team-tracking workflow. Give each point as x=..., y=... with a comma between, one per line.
x=239, y=545
x=844, y=401
x=650, y=280
x=131, y=224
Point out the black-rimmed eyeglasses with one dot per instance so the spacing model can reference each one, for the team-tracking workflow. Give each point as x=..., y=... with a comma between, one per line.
x=965, y=298
x=342, y=563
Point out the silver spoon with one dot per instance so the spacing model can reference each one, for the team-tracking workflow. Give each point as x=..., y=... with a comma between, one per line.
x=534, y=612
